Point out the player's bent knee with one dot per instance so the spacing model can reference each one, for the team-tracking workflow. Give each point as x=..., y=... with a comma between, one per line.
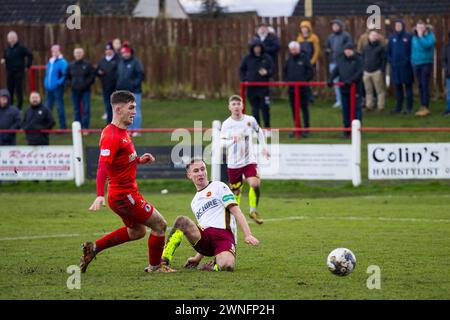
x=137, y=233
x=226, y=266
x=181, y=222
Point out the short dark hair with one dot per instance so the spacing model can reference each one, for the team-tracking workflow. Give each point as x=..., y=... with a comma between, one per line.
x=194, y=160
x=122, y=96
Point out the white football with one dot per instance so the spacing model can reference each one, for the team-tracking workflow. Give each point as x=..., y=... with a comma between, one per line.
x=341, y=261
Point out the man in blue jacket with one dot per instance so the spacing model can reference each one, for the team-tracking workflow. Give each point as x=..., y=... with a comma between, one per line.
x=55, y=76
x=399, y=57
x=9, y=119
x=422, y=57
x=130, y=74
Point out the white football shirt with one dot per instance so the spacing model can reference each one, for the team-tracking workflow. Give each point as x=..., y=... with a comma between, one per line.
x=210, y=207
x=241, y=153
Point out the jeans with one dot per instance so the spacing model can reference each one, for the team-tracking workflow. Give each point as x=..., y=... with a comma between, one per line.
x=423, y=73
x=108, y=108
x=337, y=90
x=57, y=94
x=399, y=97
x=447, y=83
x=82, y=102
x=138, y=117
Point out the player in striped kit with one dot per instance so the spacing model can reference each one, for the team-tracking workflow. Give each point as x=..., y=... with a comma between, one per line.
x=236, y=136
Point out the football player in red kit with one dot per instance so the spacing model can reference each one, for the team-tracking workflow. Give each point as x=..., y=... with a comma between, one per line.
x=117, y=163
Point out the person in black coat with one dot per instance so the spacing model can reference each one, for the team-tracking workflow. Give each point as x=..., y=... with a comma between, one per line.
x=298, y=68
x=271, y=44
x=14, y=56
x=257, y=66
x=37, y=117
x=107, y=72
x=9, y=119
x=81, y=76
x=349, y=69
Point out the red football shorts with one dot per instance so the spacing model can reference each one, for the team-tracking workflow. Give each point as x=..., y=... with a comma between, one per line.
x=214, y=241
x=132, y=208
x=235, y=175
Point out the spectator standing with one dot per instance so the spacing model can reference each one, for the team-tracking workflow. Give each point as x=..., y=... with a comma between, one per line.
x=117, y=45
x=271, y=44
x=298, y=68
x=130, y=74
x=9, y=119
x=334, y=48
x=422, y=57
x=81, y=76
x=257, y=66
x=107, y=71
x=374, y=58
x=349, y=68
x=37, y=117
x=364, y=39
x=55, y=77
x=446, y=66
x=399, y=57
x=310, y=44
x=17, y=58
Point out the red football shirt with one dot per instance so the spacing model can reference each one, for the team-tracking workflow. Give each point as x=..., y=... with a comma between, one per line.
x=117, y=149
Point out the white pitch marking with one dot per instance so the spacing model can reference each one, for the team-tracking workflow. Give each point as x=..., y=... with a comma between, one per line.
x=349, y=218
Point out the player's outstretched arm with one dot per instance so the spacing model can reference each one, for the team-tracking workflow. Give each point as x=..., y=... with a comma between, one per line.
x=248, y=237
x=102, y=175
x=146, y=158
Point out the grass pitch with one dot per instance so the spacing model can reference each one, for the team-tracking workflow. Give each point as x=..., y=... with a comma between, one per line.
x=405, y=234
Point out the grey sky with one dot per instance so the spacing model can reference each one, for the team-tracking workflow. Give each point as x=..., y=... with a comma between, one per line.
x=265, y=8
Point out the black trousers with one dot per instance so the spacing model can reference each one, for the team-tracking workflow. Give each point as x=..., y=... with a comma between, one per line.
x=304, y=97
x=260, y=102
x=14, y=82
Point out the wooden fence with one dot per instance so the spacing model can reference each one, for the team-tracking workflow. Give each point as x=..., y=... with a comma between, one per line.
x=196, y=57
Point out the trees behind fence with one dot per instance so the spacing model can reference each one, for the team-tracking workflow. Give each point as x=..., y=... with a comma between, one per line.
x=194, y=57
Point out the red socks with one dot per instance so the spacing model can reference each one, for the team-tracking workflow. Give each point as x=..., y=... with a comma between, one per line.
x=112, y=239
x=155, y=244
x=155, y=249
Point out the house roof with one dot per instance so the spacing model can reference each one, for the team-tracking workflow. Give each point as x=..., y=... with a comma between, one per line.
x=55, y=11
x=388, y=7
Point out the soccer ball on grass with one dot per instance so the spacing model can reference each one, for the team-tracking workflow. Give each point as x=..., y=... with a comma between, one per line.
x=341, y=261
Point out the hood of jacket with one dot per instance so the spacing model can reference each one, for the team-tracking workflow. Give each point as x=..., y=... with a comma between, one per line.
x=340, y=23
x=253, y=44
x=5, y=93
x=307, y=24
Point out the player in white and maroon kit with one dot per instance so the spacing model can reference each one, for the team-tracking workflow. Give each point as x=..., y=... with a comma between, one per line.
x=118, y=162
x=215, y=233
x=237, y=137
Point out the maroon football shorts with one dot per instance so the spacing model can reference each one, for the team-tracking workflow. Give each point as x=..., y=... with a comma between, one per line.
x=214, y=241
x=248, y=171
